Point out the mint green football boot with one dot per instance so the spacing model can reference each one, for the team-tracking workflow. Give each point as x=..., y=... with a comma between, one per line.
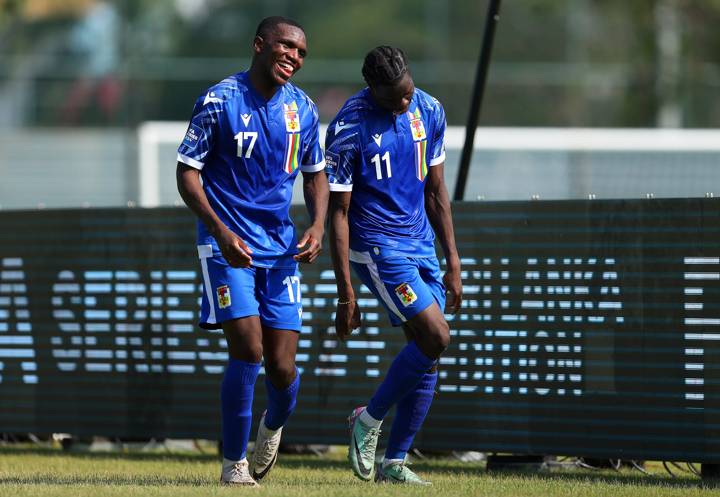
x=363, y=442
x=398, y=473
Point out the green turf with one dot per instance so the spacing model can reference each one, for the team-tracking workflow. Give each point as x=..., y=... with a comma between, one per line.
x=28, y=471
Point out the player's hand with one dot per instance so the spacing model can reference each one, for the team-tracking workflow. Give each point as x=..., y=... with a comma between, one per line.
x=453, y=290
x=234, y=249
x=347, y=319
x=310, y=245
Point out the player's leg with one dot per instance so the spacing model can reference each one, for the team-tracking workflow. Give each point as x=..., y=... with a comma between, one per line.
x=412, y=301
x=282, y=379
x=412, y=409
x=280, y=310
x=397, y=284
x=244, y=339
x=410, y=413
x=229, y=303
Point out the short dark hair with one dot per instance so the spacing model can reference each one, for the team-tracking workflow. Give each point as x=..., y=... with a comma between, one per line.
x=384, y=65
x=270, y=23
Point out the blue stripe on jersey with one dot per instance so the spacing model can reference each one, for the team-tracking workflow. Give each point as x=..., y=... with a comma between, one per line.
x=240, y=142
x=374, y=154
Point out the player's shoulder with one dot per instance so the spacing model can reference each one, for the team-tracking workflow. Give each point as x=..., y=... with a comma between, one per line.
x=352, y=113
x=296, y=94
x=223, y=91
x=428, y=102
x=346, y=127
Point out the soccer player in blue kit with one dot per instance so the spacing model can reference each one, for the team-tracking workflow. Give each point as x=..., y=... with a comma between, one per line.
x=248, y=137
x=384, y=156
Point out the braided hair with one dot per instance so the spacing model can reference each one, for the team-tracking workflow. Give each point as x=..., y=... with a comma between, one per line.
x=384, y=65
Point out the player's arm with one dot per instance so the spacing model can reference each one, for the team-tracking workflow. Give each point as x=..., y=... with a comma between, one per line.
x=347, y=317
x=235, y=251
x=437, y=206
x=316, y=192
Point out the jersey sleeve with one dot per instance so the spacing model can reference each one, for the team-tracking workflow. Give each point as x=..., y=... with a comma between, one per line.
x=341, y=153
x=312, y=159
x=200, y=135
x=437, y=143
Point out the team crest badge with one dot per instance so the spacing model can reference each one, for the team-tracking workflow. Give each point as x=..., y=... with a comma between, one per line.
x=406, y=294
x=292, y=117
x=223, y=295
x=416, y=125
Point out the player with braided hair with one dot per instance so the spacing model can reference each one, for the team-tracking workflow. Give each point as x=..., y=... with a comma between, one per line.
x=384, y=65
x=384, y=160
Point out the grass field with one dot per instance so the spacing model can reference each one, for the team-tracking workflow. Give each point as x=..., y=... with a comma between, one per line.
x=32, y=471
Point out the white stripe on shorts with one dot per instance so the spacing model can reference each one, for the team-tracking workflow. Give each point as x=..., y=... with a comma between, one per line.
x=382, y=291
x=205, y=251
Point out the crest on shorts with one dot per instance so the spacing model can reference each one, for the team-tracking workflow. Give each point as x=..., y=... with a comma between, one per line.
x=223, y=295
x=406, y=294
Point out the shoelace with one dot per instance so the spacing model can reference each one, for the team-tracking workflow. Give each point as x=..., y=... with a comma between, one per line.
x=408, y=474
x=268, y=449
x=368, y=448
x=240, y=470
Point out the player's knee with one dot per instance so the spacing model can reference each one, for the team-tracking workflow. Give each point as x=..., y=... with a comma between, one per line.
x=248, y=352
x=280, y=373
x=441, y=337
x=436, y=340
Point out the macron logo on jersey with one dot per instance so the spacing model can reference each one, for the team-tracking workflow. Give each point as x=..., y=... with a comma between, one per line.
x=211, y=98
x=246, y=119
x=340, y=125
x=378, y=138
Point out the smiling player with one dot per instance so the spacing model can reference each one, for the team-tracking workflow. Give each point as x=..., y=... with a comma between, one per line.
x=249, y=136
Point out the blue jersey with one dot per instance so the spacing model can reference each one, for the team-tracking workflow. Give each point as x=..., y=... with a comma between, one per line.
x=384, y=159
x=249, y=151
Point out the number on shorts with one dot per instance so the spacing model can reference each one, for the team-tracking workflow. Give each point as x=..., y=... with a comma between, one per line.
x=289, y=281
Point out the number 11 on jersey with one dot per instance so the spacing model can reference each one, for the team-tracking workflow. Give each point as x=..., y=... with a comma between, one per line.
x=378, y=170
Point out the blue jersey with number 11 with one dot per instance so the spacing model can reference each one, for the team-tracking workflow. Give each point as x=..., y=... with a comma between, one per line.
x=249, y=151
x=384, y=159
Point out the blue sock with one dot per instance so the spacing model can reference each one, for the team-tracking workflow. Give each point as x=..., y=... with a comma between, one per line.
x=403, y=376
x=236, y=397
x=409, y=417
x=281, y=403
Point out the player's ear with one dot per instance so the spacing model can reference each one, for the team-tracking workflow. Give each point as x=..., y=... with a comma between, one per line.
x=258, y=44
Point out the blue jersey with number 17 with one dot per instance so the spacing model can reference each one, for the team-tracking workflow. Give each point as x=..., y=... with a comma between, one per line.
x=383, y=159
x=249, y=151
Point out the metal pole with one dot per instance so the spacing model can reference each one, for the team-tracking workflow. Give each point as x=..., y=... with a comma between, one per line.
x=493, y=16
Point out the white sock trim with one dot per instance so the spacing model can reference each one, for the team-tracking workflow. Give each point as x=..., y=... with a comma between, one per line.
x=390, y=462
x=368, y=420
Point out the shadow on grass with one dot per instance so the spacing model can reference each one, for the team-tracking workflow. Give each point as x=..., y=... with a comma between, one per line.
x=130, y=456
x=579, y=475
x=112, y=480
x=287, y=460
x=427, y=468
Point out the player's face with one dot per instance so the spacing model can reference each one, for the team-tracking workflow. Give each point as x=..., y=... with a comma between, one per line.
x=282, y=52
x=397, y=97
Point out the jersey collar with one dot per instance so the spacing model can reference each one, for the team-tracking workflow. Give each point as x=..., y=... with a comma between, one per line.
x=274, y=101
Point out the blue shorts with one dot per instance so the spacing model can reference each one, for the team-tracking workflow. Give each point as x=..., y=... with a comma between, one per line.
x=404, y=285
x=232, y=293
